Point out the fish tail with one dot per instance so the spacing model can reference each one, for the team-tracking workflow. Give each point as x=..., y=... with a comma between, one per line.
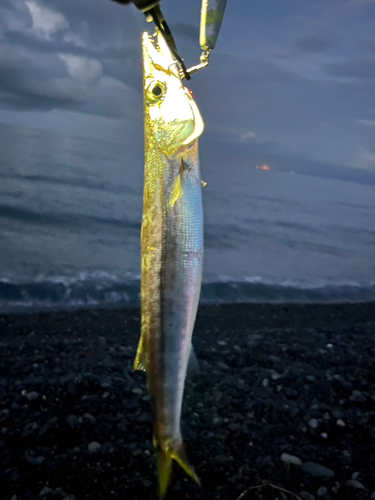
x=181, y=458
x=164, y=470
x=164, y=467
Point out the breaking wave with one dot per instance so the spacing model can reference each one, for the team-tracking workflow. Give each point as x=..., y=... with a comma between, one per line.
x=102, y=289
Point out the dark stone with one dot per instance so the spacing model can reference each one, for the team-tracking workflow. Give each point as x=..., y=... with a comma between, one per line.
x=35, y=460
x=144, y=417
x=294, y=412
x=67, y=378
x=72, y=389
x=13, y=475
x=338, y=414
x=234, y=427
x=274, y=359
x=32, y=380
x=122, y=426
x=345, y=459
x=305, y=495
x=108, y=448
x=146, y=483
x=355, y=484
x=317, y=470
x=72, y=421
x=358, y=397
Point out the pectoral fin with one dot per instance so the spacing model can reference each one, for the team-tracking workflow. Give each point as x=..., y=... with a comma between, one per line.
x=177, y=190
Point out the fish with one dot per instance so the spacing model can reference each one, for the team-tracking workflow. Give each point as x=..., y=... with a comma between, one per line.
x=171, y=249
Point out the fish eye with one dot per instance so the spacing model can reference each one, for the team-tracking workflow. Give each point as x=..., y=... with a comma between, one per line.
x=156, y=91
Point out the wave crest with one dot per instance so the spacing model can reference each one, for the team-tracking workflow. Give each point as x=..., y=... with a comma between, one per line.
x=100, y=289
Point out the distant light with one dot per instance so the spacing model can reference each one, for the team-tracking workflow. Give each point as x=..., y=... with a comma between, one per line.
x=262, y=167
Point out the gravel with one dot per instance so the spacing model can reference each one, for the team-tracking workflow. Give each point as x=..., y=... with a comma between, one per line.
x=75, y=420
x=355, y=484
x=322, y=491
x=94, y=447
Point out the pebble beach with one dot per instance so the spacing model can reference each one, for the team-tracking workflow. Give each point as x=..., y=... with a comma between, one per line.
x=285, y=394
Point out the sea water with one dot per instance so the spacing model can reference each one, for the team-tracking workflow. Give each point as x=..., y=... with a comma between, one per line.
x=70, y=216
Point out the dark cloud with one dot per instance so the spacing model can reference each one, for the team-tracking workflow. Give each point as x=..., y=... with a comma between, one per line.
x=256, y=71
x=216, y=149
x=187, y=30
x=313, y=44
x=232, y=92
x=370, y=45
x=88, y=61
x=361, y=69
x=24, y=77
x=287, y=113
x=86, y=58
x=116, y=61
x=101, y=22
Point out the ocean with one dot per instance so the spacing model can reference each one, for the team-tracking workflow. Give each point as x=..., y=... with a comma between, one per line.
x=70, y=216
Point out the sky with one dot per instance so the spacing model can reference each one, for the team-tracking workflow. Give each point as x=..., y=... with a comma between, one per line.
x=291, y=83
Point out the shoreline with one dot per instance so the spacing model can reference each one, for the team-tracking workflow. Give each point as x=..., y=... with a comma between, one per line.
x=135, y=306
x=274, y=379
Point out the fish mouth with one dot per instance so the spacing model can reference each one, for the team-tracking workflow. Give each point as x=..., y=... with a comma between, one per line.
x=157, y=54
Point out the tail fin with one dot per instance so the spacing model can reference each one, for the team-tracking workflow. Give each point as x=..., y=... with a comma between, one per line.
x=164, y=467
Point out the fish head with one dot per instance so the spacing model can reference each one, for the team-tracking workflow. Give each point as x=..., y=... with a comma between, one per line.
x=171, y=115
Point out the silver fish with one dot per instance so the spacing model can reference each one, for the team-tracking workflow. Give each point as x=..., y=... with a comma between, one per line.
x=171, y=248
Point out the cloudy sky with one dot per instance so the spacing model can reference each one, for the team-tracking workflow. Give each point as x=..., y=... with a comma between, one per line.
x=291, y=82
